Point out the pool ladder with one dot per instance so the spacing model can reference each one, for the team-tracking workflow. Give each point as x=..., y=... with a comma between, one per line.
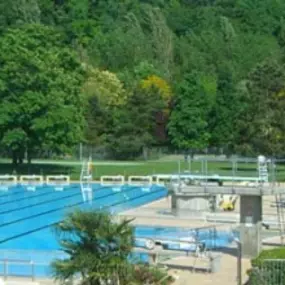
x=86, y=179
x=280, y=203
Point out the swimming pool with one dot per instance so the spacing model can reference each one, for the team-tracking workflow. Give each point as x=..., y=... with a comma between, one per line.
x=174, y=238
x=27, y=217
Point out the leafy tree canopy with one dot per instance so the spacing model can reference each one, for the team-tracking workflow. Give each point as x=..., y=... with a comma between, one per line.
x=40, y=79
x=137, y=49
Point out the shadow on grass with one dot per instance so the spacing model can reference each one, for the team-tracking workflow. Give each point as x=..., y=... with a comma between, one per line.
x=37, y=169
x=241, y=169
x=250, y=169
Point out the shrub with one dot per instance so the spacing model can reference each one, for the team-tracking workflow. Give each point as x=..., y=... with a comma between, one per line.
x=268, y=268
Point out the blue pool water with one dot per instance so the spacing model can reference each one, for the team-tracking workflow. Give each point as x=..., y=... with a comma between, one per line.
x=26, y=218
x=209, y=236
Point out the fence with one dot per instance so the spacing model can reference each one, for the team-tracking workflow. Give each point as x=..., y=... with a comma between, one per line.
x=23, y=268
x=169, y=165
x=81, y=150
x=27, y=264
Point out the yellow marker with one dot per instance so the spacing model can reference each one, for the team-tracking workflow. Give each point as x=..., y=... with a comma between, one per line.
x=228, y=206
x=90, y=166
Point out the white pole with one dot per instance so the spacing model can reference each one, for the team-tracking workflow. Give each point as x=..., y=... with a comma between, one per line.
x=179, y=170
x=189, y=163
x=80, y=151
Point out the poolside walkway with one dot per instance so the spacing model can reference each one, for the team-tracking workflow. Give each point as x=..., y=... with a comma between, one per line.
x=225, y=276
x=158, y=214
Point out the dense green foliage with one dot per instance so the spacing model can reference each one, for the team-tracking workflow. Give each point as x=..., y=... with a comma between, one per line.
x=221, y=62
x=98, y=249
x=40, y=91
x=268, y=268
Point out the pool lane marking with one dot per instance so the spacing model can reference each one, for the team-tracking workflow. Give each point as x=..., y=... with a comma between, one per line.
x=23, y=192
x=22, y=187
x=160, y=189
x=46, y=201
x=43, y=193
x=63, y=207
x=41, y=203
x=51, y=200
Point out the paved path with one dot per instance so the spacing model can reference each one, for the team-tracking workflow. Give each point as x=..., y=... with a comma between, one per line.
x=226, y=276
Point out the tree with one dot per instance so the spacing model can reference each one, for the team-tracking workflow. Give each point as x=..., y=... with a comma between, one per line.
x=161, y=90
x=127, y=42
x=18, y=12
x=161, y=37
x=224, y=113
x=40, y=81
x=99, y=249
x=104, y=93
x=261, y=121
x=133, y=126
x=188, y=127
x=155, y=83
x=106, y=87
x=127, y=137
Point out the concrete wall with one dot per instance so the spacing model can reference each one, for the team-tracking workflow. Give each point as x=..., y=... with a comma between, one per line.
x=250, y=225
x=191, y=203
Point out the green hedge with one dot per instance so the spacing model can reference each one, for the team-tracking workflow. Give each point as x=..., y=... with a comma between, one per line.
x=268, y=268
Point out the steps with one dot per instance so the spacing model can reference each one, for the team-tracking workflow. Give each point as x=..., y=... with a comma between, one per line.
x=86, y=180
x=280, y=202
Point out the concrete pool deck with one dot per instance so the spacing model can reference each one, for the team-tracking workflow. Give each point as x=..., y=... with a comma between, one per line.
x=152, y=215
x=160, y=211
x=226, y=276
x=181, y=266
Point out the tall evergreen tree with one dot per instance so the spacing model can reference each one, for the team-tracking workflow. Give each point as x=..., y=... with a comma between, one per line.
x=188, y=126
x=224, y=113
x=260, y=125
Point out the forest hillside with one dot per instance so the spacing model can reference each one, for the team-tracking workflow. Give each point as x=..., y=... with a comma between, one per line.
x=127, y=75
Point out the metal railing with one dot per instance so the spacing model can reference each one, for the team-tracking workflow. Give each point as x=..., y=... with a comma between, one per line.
x=7, y=262
x=27, y=264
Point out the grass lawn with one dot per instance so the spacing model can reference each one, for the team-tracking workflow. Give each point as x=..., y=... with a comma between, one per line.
x=100, y=168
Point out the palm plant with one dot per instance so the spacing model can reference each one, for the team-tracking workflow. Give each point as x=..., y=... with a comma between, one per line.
x=97, y=249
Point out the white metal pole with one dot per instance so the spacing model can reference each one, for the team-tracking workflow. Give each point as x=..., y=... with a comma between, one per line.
x=80, y=151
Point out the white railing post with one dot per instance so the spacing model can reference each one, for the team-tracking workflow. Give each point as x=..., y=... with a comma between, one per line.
x=5, y=263
x=33, y=270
